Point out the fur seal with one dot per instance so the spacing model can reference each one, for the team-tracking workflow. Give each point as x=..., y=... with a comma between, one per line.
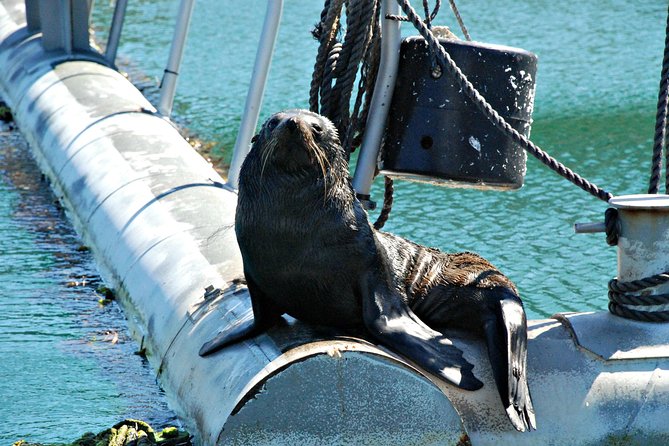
x=309, y=251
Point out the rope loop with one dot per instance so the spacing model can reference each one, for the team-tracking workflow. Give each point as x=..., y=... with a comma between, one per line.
x=643, y=316
x=623, y=303
x=344, y=54
x=638, y=285
x=612, y=226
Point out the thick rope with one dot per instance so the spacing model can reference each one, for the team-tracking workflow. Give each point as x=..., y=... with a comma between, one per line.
x=638, y=285
x=349, y=59
x=361, y=54
x=624, y=302
x=499, y=122
x=612, y=226
x=328, y=104
x=338, y=64
x=458, y=17
x=429, y=16
x=326, y=34
x=643, y=316
x=336, y=68
x=387, y=204
x=368, y=72
x=661, y=122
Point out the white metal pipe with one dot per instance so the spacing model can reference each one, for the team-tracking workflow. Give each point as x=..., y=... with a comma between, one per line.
x=115, y=30
x=383, y=94
x=256, y=90
x=168, y=85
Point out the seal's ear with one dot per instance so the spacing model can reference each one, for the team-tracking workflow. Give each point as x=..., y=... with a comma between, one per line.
x=254, y=139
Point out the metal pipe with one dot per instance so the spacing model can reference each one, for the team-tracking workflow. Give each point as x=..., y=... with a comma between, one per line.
x=383, y=94
x=589, y=228
x=32, y=16
x=115, y=31
x=168, y=85
x=66, y=25
x=256, y=90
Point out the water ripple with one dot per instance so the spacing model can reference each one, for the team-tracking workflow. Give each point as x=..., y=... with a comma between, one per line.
x=67, y=362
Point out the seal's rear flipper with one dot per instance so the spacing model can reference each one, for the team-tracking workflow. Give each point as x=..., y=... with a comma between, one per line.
x=506, y=337
x=391, y=321
x=265, y=315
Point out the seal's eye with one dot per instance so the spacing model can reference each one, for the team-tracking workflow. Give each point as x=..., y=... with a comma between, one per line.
x=316, y=128
x=271, y=125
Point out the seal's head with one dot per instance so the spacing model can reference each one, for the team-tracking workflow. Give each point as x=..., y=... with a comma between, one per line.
x=297, y=140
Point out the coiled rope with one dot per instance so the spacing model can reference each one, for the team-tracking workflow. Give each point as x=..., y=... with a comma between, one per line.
x=338, y=62
x=647, y=308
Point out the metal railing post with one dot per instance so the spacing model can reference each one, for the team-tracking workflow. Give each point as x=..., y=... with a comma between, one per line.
x=168, y=85
x=115, y=31
x=32, y=16
x=380, y=105
x=256, y=90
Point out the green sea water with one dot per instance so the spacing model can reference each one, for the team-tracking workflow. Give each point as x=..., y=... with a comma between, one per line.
x=67, y=364
x=599, y=63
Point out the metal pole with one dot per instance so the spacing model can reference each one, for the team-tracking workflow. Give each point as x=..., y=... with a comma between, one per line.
x=32, y=16
x=168, y=85
x=66, y=29
x=383, y=94
x=115, y=31
x=256, y=91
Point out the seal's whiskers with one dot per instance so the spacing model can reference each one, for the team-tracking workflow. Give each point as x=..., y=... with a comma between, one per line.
x=269, y=151
x=322, y=161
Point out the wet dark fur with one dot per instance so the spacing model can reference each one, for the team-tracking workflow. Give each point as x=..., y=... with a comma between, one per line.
x=310, y=251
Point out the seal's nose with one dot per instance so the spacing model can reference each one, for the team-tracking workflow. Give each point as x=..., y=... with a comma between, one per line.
x=292, y=124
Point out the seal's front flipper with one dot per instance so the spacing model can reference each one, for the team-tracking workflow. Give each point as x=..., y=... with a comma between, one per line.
x=265, y=315
x=506, y=337
x=391, y=321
